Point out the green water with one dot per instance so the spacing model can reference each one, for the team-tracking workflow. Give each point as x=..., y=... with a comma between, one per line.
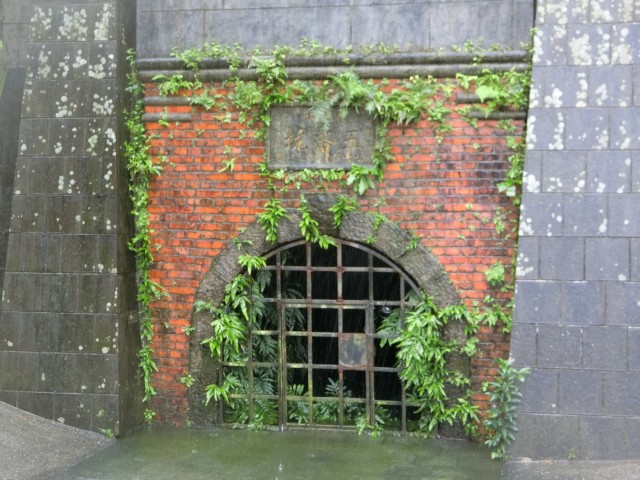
x=234, y=454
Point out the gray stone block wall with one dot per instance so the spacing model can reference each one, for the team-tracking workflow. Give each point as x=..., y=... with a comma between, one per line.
x=14, y=19
x=15, y=16
x=68, y=331
x=577, y=313
x=423, y=24
x=11, y=92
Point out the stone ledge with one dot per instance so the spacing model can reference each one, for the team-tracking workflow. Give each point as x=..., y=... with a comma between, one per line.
x=401, y=65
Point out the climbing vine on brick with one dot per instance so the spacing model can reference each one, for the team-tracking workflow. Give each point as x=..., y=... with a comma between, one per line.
x=414, y=99
x=141, y=170
x=402, y=104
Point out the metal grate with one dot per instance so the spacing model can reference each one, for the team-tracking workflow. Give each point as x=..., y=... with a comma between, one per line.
x=314, y=355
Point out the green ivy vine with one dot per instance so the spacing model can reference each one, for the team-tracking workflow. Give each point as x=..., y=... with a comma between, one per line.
x=141, y=170
x=419, y=335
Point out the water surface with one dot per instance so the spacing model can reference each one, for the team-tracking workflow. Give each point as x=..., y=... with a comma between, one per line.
x=234, y=454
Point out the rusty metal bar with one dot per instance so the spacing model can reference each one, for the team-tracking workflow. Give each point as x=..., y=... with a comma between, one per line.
x=356, y=348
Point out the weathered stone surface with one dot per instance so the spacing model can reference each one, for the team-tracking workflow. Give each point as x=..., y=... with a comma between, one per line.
x=40, y=332
x=605, y=348
x=537, y=302
x=524, y=440
x=608, y=172
x=551, y=12
x=582, y=303
x=21, y=371
x=62, y=213
x=624, y=211
x=580, y=392
x=296, y=141
x=181, y=30
x=10, y=326
x=22, y=292
x=547, y=127
x=96, y=293
x=339, y=23
x=585, y=215
x=548, y=218
x=332, y=26
x=78, y=334
x=68, y=220
x=635, y=171
x=35, y=137
x=619, y=388
x=556, y=436
x=570, y=249
x=524, y=341
x=588, y=129
x=528, y=260
x=560, y=176
x=611, y=87
x=41, y=253
x=593, y=430
x=634, y=348
x=561, y=88
x=622, y=303
x=59, y=293
x=559, y=346
x=413, y=24
x=613, y=266
x=589, y=44
x=633, y=437
x=540, y=391
x=624, y=131
x=550, y=44
x=625, y=49
x=37, y=403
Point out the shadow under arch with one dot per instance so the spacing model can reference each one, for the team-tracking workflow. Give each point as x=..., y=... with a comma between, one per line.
x=391, y=241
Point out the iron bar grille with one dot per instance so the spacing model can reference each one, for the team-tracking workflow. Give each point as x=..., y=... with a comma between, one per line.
x=314, y=356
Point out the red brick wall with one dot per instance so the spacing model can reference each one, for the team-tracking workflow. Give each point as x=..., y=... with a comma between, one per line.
x=444, y=192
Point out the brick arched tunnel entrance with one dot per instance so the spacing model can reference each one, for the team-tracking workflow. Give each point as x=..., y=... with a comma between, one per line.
x=318, y=357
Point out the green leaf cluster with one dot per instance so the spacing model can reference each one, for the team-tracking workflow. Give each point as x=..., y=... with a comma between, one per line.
x=504, y=396
x=500, y=90
x=309, y=227
x=495, y=274
x=175, y=84
x=270, y=217
x=341, y=208
x=423, y=353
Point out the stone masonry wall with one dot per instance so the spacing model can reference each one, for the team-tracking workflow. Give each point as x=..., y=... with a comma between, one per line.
x=14, y=30
x=67, y=325
x=423, y=24
x=577, y=315
x=14, y=18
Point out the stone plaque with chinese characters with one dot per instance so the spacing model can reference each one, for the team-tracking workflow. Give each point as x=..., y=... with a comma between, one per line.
x=296, y=141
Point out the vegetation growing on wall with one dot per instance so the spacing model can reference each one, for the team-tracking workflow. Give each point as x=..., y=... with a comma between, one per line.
x=422, y=349
x=505, y=396
x=141, y=169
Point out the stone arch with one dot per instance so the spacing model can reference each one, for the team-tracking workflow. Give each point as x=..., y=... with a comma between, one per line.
x=391, y=241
